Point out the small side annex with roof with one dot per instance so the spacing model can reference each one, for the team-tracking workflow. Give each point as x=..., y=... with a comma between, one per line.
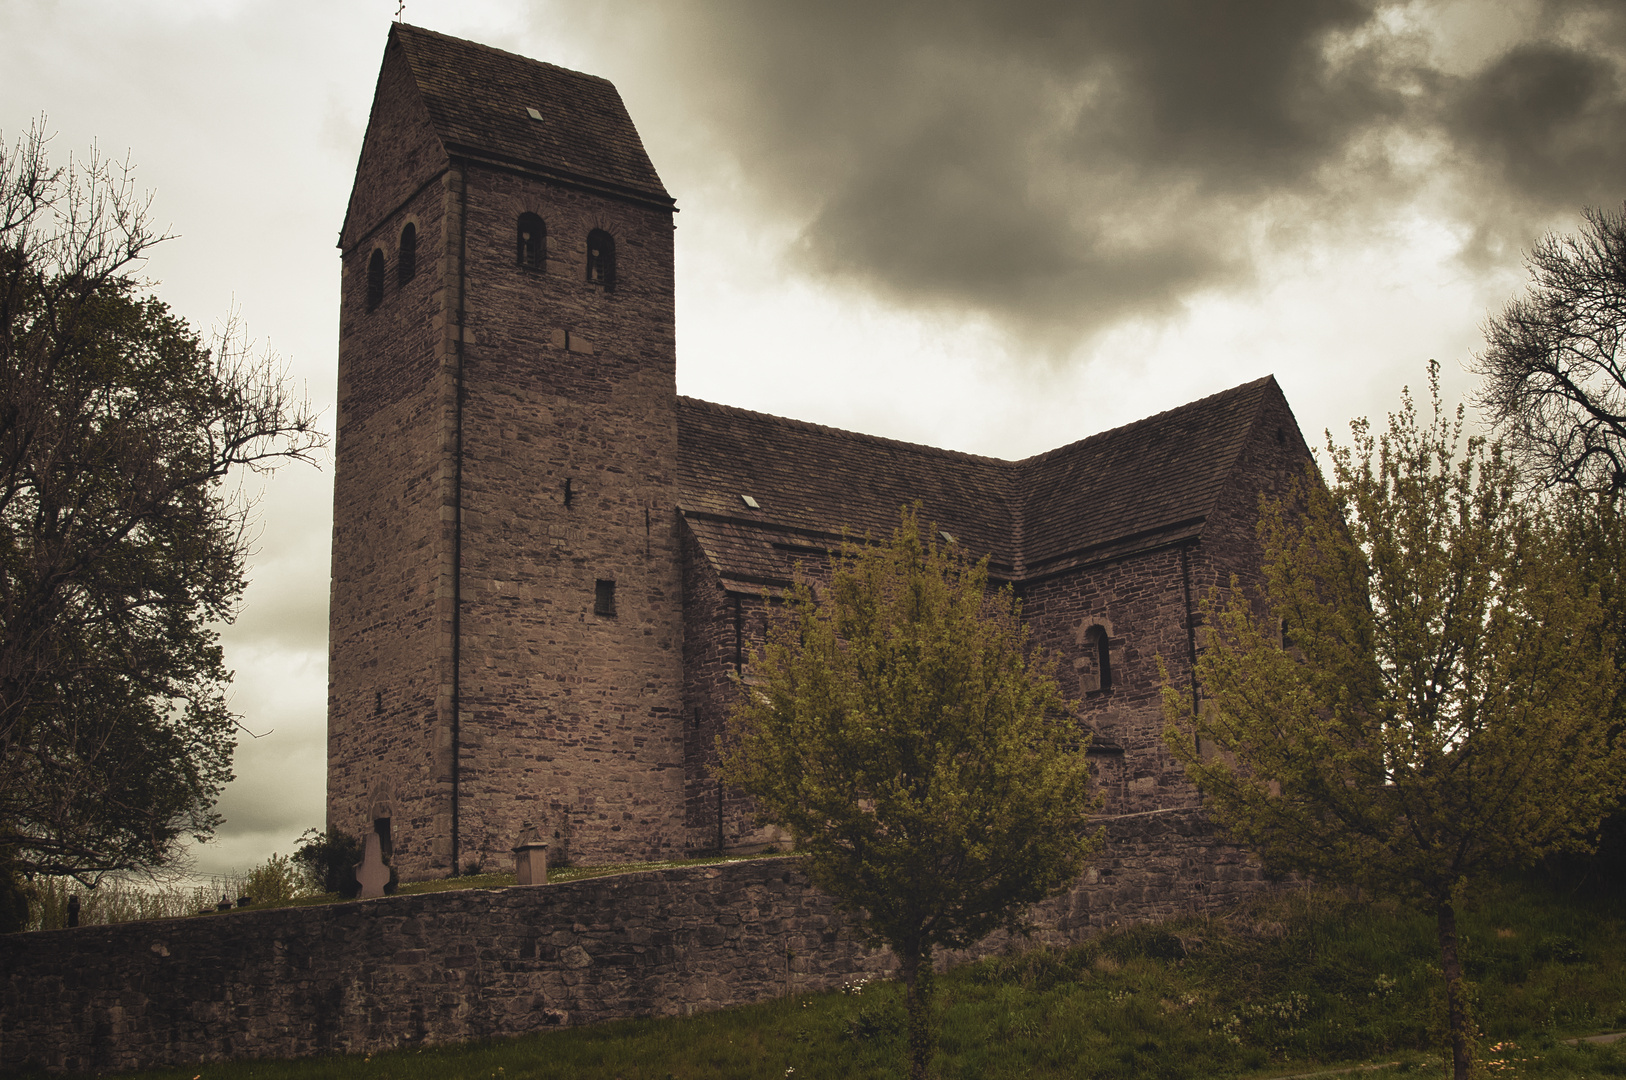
x=548, y=566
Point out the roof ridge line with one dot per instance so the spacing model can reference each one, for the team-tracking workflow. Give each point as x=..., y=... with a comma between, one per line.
x=1228, y=392
x=827, y=429
x=500, y=52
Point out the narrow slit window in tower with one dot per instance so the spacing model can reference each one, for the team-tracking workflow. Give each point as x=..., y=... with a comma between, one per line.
x=603, y=597
x=375, y=280
x=601, y=259
x=533, y=241
x=406, y=263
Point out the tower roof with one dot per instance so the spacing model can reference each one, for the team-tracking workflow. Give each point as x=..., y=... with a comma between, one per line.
x=480, y=100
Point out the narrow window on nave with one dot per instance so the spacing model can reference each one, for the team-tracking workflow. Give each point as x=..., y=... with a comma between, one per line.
x=375, y=280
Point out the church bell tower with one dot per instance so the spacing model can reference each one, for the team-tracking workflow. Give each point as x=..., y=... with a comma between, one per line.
x=506, y=622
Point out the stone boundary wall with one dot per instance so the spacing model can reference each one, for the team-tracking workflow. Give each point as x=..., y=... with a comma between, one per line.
x=442, y=967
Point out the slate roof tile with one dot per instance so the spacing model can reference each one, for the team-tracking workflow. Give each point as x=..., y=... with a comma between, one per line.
x=1142, y=479
x=1142, y=484
x=477, y=98
x=812, y=482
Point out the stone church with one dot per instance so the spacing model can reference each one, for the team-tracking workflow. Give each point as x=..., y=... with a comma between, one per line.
x=548, y=567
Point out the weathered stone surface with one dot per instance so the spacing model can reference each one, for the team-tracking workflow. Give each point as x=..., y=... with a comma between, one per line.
x=441, y=967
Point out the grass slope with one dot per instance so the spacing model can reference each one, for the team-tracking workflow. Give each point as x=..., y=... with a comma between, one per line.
x=1292, y=985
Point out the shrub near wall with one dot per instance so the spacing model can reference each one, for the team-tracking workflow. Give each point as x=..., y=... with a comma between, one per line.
x=442, y=967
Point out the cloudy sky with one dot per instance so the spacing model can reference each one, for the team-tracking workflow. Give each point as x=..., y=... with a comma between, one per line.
x=991, y=225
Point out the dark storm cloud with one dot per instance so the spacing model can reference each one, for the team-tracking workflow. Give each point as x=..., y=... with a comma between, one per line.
x=1062, y=166
x=1235, y=94
x=1549, y=121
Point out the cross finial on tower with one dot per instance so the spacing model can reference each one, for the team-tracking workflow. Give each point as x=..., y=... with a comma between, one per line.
x=400, y=9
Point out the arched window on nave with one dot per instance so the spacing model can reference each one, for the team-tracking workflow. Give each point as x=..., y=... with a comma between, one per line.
x=1097, y=670
x=532, y=241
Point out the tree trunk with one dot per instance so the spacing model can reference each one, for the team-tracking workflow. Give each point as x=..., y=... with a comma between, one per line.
x=916, y=969
x=1462, y=1058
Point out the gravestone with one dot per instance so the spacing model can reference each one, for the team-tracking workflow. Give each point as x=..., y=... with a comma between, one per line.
x=531, y=857
x=371, y=871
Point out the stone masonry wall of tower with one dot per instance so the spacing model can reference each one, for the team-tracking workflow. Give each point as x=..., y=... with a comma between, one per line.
x=474, y=688
x=571, y=716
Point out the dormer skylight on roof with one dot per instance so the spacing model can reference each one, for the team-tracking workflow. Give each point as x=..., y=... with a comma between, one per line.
x=535, y=114
x=752, y=503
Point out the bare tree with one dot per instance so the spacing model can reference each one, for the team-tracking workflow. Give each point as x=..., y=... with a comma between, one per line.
x=1555, y=382
x=121, y=546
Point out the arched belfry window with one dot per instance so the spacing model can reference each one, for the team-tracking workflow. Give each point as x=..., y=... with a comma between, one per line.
x=1097, y=654
x=533, y=241
x=406, y=263
x=375, y=280
x=601, y=259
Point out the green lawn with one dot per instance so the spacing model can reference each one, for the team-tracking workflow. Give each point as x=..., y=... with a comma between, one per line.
x=1293, y=986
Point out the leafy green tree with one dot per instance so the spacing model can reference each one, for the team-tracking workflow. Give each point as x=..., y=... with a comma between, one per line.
x=120, y=546
x=276, y=881
x=903, y=728
x=1554, y=371
x=1594, y=527
x=1434, y=710
x=328, y=860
